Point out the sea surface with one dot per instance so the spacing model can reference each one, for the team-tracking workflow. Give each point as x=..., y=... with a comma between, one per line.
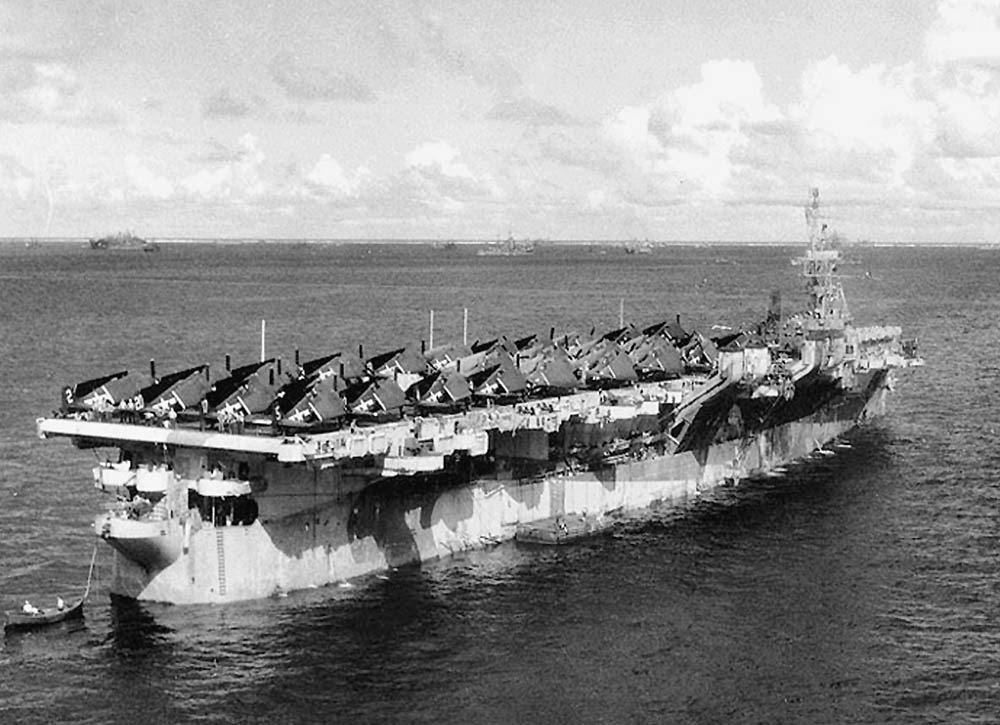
x=858, y=587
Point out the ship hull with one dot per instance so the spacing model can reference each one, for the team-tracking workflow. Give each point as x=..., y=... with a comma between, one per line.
x=350, y=532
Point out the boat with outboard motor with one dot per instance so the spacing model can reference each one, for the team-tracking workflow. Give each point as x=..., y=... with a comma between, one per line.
x=32, y=617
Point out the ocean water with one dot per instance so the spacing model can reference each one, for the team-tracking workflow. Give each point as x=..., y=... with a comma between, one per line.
x=860, y=587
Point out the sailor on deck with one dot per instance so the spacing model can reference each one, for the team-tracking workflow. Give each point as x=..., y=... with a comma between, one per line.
x=29, y=608
x=60, y=604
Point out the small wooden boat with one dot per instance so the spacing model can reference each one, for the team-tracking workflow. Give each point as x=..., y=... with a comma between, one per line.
x=559, y=529
x=19, y=620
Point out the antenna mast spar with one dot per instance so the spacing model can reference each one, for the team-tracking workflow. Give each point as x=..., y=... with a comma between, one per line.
x=820, y=268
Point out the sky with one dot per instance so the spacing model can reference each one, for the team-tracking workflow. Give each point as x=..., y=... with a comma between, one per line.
x=672, y=120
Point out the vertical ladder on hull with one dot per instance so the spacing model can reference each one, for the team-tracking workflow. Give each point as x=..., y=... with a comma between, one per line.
x=220, y=549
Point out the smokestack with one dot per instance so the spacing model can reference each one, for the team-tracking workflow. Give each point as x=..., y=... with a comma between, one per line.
x=229, y=363
x=152, y=369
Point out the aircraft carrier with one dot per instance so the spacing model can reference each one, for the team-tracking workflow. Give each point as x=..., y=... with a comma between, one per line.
x=275, y=477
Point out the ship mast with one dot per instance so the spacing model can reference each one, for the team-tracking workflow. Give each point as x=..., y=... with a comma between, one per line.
x=829, y=305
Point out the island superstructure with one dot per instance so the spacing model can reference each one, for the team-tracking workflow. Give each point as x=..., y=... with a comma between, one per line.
x=274, y=478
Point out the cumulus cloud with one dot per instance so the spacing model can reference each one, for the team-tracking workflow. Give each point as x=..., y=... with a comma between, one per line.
x=874, y=110
x=44, y=88
x=34, y=89
x=434, y=178
x=729, y=94
x=629, y=128
x=689, y=134
x=209, y=183
x=962, y=83
x=919, y=129
x=966, y=87
x=969, y=114
x=928, y=130
x=439, y=157
x=330, y=177
x=966, y=30
x=909, y=128
x=976, y=177
x=146, y=183
x=708, y=121
x=237, y=179
x=314, y=83
x=852, y=109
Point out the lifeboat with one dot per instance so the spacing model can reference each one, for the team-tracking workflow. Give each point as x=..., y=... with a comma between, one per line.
x=219, y=487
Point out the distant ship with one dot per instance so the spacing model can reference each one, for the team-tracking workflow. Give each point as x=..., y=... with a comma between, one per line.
x=268, y=479
x=124, y=240
x=510, y=247
x=637, y=247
